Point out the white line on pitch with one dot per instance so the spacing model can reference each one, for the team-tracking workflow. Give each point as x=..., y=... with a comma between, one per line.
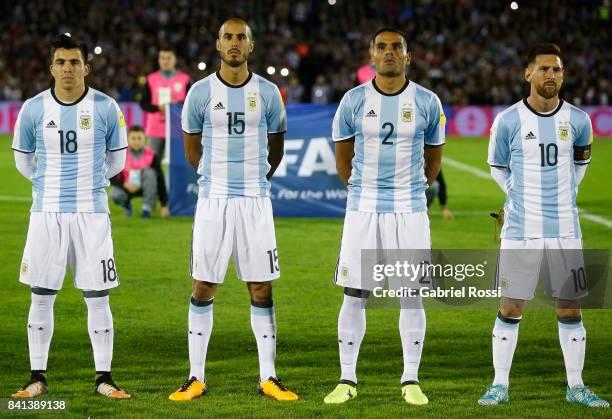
x=13, y=198
x=484, y=175
x=595, y=218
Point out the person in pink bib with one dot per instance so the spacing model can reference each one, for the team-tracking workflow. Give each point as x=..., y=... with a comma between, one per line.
x=164, y=87
x=141, y=176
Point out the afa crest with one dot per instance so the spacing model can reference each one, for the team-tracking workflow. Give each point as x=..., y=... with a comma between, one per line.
x=24, y=268
x=407, y=114
x=564, y=131
x=252, y=103
x=344, y=272
x=85, y=122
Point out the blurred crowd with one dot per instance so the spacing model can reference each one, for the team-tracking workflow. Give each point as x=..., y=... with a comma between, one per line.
x=467, y=51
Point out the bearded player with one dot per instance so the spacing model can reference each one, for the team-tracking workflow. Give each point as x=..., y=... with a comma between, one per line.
x=234, y=124
x=538, y=152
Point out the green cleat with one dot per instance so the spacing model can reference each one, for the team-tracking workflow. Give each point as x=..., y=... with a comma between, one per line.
x=413, y=395
x=342, y=393
x=583, y=395
x=495, y=395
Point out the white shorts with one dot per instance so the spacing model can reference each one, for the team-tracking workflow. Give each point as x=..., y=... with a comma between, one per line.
x=82, y=241
x=558, y=261
x=386, y=232
x=242, y=228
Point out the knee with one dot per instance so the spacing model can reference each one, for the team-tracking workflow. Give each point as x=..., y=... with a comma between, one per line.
x=149, y=179
x=260, y=291
x=203, y=290
x=149, y=174
x=568, y=313
x=512, y=308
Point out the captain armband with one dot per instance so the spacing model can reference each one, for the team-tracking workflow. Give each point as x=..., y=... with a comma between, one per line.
x=582, y=154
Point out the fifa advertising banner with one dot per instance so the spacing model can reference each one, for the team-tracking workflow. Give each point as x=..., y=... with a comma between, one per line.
x=304, y=185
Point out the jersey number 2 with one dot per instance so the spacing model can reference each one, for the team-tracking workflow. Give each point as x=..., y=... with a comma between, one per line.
x=68, y=142
x=389, y=125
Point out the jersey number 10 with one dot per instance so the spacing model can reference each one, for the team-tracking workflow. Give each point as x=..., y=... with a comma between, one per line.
x=548, y=154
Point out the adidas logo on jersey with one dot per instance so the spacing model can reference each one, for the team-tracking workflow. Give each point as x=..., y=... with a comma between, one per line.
x=530, y=136
x=219, y=106
x=371, y=114
x=51, y=124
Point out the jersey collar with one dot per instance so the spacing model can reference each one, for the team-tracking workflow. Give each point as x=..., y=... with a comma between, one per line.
x=544, y=115
x=390, y=94
x=72, y=103
x=248, y=79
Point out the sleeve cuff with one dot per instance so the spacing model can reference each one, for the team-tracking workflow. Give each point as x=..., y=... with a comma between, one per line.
x=23, y=151
x=350, y=137
x=116, y=149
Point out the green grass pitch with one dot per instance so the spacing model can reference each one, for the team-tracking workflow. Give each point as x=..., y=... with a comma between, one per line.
x=150, y=314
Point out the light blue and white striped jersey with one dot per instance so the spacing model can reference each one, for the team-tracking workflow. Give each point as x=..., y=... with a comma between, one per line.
x=540, y=150
x=235, y=122
x=70, y=143
x=390, y=133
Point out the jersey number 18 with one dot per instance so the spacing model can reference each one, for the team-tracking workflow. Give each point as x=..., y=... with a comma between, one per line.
x=68, y=142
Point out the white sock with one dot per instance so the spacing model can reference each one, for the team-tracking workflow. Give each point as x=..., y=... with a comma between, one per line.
x=101, y=332
x=263, y=322
x=573, y=344
x=351, y=330
x=412, y=331
x=200, y=328
x=40, y=330
x=505, y=337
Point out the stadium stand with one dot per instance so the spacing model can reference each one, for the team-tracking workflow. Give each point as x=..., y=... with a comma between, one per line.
x=468, y=51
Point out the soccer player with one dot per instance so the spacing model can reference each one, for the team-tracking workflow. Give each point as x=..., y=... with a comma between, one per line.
x=538, y=152
x=68, y=141
x=234, y=124
x=389, y=135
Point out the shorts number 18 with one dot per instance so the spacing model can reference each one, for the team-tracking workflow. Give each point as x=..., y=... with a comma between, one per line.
x=108, y=270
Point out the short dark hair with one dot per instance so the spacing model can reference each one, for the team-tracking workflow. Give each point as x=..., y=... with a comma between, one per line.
x=390, y=29
x=545, y=48
x=168, y=47
x=67, y=42
x=136, y=128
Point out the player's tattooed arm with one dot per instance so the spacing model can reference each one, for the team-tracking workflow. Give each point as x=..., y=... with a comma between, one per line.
x=433, y=161
x=193, y=148
x=276, y=149
x=345, y=151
